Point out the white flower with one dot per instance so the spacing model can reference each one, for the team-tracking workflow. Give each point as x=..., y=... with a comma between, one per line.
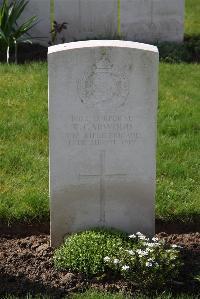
x=173, y=258
x=155, y=239
x=148, y=264
x=149, y=250
x=150, y=244
x=125, y=268
x=132, y=236
x=131, y=252
x=116, y=261
x=141, y=253
x=139, y=234
x=144, y=254
x=142, y=237
x=175, y=246
x=170, y=250
x=106, y=259
x=150, y=260
x=157, y=244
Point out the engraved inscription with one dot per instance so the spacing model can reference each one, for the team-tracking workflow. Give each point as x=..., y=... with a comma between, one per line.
x=103, y=86
x=101, y=130
x=102, y=179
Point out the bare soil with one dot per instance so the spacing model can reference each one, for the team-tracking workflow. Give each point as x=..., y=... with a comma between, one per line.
x=26, y=267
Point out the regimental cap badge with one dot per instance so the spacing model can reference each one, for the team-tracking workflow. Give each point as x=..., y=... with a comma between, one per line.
x=104, y=86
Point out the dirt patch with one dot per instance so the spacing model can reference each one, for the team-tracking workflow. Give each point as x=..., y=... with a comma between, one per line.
x=26, y=267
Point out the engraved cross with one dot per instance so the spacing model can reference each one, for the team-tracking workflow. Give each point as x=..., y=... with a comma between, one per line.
x=102, y=177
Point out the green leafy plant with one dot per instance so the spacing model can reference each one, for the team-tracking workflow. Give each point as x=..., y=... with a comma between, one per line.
x=11, y=34
x=57, y=29
x=144, y=262
x=84, y=252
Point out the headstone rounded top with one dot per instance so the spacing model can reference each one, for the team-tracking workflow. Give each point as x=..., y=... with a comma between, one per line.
x=101, y=43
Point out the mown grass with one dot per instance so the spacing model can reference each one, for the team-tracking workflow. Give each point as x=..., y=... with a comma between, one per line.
x=24, y=143
x=192, y=20
x=101, y=295
x=178, y=158
x=91, y=294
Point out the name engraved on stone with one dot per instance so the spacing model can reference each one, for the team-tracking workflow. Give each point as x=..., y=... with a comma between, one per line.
x=102, y=176
x=104, y=130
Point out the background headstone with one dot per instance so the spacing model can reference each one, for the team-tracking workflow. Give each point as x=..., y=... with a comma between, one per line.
x=168, y=20
x=87, y=18
x=40, y=9
x=152, y=20
x=137, y=20
x=102, y=121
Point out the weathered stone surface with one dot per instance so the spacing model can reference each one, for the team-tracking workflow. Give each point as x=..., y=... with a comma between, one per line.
x=152, y=20
x=138, y=20
x=102, y=121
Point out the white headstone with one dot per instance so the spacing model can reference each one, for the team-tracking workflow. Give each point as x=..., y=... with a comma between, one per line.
x=102, y=116
x=40, y=9
x=152, y=20
x=87, y=18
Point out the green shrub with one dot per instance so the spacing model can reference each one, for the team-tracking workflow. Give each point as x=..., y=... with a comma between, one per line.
x=188, y=51
x=137, y=259
x=84, y=252
x=174, y=53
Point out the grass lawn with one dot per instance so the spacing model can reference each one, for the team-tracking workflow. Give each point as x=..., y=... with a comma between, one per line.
x=178, y=159
x=24, y=143
x=97, y=295
x=100, y=295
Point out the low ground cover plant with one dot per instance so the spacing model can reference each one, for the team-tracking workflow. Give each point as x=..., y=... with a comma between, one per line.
x=136, y=258
x=84, y=252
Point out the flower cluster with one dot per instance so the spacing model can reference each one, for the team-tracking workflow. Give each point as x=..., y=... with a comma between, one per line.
x=151, y=259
